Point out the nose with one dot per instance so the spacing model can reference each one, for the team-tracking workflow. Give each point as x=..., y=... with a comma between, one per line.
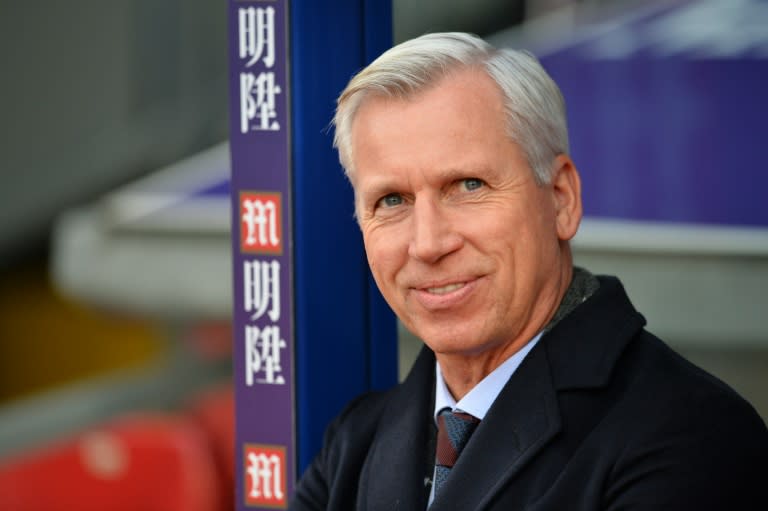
x=433, y=235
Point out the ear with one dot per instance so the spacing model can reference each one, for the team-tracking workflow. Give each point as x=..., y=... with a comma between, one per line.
x=566, y=187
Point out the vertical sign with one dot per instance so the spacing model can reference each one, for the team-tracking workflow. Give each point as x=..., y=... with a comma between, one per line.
x=262, y=253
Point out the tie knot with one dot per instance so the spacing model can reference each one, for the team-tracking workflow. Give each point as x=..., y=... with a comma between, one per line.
x=453, y=432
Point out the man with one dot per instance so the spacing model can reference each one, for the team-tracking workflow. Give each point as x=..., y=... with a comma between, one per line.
x=467, y=200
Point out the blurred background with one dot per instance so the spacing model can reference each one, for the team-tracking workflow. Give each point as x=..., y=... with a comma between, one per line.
x=115, y=285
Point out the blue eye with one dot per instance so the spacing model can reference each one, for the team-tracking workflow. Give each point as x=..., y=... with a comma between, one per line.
x=472, y=183
x=391, y=200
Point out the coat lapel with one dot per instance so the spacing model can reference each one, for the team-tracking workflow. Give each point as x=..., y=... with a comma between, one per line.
x=520, y=423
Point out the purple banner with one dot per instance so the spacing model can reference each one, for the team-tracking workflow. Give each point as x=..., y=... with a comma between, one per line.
x=262, y=253
x=667, y=111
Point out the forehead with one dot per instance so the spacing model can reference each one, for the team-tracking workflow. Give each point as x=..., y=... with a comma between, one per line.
x=462, y=115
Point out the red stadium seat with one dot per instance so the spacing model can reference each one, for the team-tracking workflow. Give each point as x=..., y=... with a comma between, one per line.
x=139, y=463
x=214, y=411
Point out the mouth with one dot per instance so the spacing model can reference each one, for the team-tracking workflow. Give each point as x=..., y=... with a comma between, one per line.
x=441, y=296
x=442, y=290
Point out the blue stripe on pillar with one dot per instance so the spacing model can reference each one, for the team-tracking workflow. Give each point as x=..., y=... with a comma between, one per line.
x=345, y=334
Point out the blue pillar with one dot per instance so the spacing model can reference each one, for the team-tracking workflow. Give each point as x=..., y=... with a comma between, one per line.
x=345, y=334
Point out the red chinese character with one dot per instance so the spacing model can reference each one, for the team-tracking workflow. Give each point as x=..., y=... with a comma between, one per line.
x=261, y=222
x=265, y=476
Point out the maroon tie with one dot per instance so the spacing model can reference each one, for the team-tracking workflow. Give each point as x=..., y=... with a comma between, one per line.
x=453, y=432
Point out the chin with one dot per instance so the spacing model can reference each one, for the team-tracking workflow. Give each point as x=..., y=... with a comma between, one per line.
x=454, y=346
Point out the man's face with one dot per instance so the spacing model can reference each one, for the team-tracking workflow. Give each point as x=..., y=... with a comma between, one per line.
x=464, y=245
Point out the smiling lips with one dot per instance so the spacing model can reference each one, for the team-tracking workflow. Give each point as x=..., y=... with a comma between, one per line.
x=445, y=289
x=445, y=296
x=438, y=296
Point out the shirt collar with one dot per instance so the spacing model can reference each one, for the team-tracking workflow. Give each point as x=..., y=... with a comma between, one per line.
x=481, y=397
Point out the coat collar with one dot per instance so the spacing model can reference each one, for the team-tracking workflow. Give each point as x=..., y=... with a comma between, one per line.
x=584, y=347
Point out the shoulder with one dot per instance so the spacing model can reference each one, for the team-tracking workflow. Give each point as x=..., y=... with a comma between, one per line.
x=657, y=431
x=358, y=421
x=689, y=439
x=331, y=480
x=658, y=375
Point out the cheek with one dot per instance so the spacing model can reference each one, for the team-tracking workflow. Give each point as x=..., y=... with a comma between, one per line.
x=384, y=248
x=385, y=273
x=379, y=258
x=384, y=265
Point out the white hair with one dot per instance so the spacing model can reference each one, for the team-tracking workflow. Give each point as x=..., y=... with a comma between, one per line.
x=536, y=119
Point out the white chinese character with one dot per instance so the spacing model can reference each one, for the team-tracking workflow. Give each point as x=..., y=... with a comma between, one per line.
x=262, y=287
x=257, y=34
x=257, y=101
x=262, y=354
x=264, y=472
x=261, y=223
